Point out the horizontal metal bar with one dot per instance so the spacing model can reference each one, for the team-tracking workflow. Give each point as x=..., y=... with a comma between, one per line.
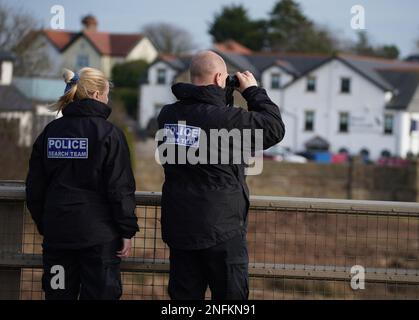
x=15, y=191
x=257, y=270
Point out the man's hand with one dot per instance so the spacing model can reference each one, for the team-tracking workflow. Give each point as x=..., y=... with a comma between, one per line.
x=246, y=80
x=126, y=249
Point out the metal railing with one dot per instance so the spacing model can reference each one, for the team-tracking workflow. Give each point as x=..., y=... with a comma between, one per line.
x=299, y=248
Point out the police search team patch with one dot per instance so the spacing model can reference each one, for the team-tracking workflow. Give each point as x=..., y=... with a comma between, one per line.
x=182, y=134
x=68, y=148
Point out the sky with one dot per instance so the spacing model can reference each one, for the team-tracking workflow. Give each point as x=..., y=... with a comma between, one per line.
x=386, y=21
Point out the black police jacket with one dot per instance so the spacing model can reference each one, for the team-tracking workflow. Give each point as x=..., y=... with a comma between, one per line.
x=206, y=204
x=80, y=186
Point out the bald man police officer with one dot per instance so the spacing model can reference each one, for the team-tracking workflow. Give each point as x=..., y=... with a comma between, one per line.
x=204, y=206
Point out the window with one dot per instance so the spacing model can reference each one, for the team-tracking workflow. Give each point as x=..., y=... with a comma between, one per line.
x=414, y=124
x=388, y=123
x=161, y=76
x=345, y=85
x=311, y=84
x=309, y=121
x=82, y=61
x=385, y=153
x=343, y=122
x=364, y=153
x=275, y=81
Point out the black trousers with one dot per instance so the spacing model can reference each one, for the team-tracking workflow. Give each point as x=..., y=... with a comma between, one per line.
x=89, y=274
x=224, y=268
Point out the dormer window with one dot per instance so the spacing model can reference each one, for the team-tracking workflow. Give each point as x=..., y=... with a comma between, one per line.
x=82, y=61
x=275, y=81
x=161, y=76
x=311, y=84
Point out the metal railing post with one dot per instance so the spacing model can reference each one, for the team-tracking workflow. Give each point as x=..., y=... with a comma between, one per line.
x=11, y=240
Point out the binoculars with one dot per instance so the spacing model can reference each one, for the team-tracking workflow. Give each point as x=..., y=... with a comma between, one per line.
x=232, y=82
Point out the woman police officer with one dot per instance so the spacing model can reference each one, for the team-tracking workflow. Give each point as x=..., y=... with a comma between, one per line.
x=80, y=193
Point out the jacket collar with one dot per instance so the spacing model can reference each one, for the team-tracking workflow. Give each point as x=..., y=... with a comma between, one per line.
x=87, y=108
x=210, y=94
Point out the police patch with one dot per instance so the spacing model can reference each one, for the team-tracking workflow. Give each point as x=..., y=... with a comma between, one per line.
x=182, y=134
x=68, y=148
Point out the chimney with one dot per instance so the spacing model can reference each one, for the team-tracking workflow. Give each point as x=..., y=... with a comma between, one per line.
x=89, y=23
x=6, y=68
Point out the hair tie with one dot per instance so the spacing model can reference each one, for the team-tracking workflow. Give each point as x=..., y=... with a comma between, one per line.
x=72, y=82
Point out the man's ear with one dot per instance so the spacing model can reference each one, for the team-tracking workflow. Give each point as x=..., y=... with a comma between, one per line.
x=217, y=80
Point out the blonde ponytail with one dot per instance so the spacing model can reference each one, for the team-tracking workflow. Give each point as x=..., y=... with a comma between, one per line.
x=86, y=82
x=68, y=75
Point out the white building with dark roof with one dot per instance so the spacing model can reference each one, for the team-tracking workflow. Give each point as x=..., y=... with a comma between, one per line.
x=349, y=102
x=335, y=103
x=14, y=106
x=24, y=102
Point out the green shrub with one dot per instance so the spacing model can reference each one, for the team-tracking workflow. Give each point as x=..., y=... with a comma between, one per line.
x=129, y=74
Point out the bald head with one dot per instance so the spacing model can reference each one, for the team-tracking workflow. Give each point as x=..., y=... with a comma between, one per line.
x=207, y=68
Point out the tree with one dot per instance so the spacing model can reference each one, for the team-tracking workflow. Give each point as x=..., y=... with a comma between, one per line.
x=17, y=32
x=286, y=29
x=128, y=74
x=126, y=78
x=290, y=30
x=363, y=46
x=388, y=51
x=169, y=39
x=234, y=23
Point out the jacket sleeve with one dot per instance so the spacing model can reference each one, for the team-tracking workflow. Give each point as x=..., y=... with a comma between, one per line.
x=36, y=183
x=120, y=184
x=262, y=113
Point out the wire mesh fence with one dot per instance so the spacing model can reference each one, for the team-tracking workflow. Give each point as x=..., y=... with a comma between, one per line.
x=298, y=249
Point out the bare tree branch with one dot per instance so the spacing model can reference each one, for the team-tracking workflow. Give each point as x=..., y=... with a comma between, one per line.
x=169, y=39
x=17, y=34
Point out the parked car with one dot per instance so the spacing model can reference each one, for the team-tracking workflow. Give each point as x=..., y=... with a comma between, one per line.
x=393, y=162
x=279, y=153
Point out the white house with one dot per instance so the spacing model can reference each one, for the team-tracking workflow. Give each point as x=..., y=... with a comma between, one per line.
x=157, y=92
x=335, y=103
x=24, y=101
x=15, y=108
x=356, y=104
x=90, y=47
